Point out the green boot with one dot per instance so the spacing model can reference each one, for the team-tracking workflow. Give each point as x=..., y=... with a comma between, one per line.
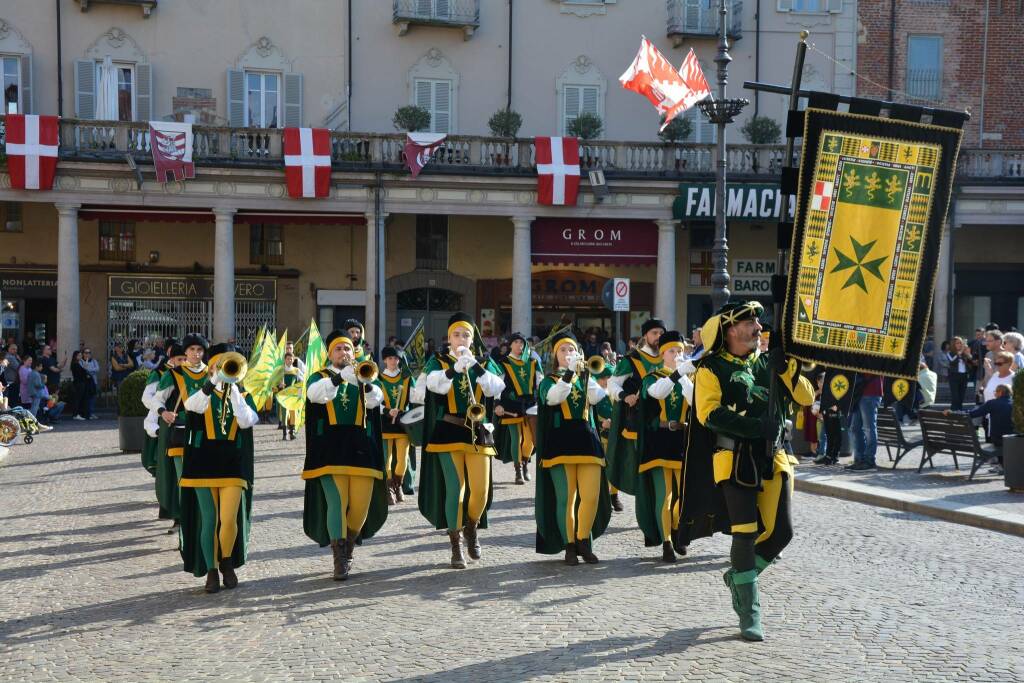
x=745, y=585
x=727, y=577
x=760, y=564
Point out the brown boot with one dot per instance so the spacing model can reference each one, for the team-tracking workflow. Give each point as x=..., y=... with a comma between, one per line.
x=667, y=554
x=390, y=492
x=519, y=472
x=583, y=547
x=212, y=581
x=227, y=569
x=458, y=559
x=472, y=541
x=616, y=503
x=570, y=555
x=340, y=568
x=526, y=470
x=396, y=483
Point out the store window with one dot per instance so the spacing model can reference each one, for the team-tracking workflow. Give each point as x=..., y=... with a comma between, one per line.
x=10, y=216
x=924, y=66
x=432, y=242
x=429, y=299
x=266, y=245
x=117, y=241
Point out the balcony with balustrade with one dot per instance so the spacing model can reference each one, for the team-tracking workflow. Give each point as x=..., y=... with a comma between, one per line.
x=689, y=19
x=461, y=14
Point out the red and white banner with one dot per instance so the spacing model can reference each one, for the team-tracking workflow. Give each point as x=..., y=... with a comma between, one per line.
x=307, y=162
x=671, y=92
x=171, y=143
x=558, y=171
x=419, y=148
x=32, y=151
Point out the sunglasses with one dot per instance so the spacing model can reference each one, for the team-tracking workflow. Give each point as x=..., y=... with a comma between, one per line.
x=1001, y=362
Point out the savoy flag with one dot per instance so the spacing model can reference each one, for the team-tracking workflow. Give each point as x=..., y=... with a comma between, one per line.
x=31, y=151
x=671, y=92
x=558, y=171
x=307, y=162
x=171, y=143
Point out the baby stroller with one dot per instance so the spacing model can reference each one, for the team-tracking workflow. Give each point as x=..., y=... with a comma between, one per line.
x=19, y=421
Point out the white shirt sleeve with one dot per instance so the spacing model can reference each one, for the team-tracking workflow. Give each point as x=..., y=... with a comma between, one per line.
x=160, y=398
x=374, y=397
x=594, y=392
x=149, y=395
x=491, y=384
x=687, y=385
x=559, y=392
x=615, y=387
x=151, y=423
x=419, y=392
x=438, y=383
x=197, y=402
x=661, y=388
x=245, y=415
x=322, y=391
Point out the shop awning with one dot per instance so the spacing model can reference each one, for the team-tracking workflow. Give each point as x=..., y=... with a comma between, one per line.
x=594, y=241
x=206, y=216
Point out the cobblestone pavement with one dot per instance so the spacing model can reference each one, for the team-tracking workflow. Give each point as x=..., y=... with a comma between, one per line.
x=91, y=589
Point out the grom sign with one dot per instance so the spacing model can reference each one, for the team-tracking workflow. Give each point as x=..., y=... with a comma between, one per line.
x=743, y=201
x=187, y=287
x=594, y=241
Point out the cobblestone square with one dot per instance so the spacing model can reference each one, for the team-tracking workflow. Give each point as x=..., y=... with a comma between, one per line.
x=92, y=590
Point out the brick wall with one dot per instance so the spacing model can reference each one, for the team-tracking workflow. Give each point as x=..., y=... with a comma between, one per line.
x=961, y=23
x=199, y=102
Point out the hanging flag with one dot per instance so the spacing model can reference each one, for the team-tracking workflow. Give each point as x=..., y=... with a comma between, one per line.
x=671, y=92
x=416, y=348
x=171, y=143
x=307, y=162
x=419, y=148
x=558, y=171
x=31, y=151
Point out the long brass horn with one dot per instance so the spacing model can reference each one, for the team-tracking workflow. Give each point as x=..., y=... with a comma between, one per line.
x=595, y=365
x=232, y=367
x=366, y=371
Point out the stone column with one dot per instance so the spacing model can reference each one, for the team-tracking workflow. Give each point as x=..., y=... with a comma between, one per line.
x=375, y=313
x=943, y=288
x=68, y=302
x=665, y=288
x=522, y=295
x=224, y=276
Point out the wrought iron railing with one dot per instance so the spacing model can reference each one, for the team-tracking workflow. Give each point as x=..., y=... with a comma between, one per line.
x=696, y=18
x=438, y=12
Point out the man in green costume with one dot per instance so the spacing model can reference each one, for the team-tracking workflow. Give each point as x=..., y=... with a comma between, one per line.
x=397, y=384
x=514, y=437
x=455, y=483
x=624, y=391
x=344, y=471
x=737, y=479
x=151, y=450
x=217, y=475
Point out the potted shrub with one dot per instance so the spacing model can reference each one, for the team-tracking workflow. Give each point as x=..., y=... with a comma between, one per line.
x=131, y=413
x=675, y=133
x=411, y=119
x=504, y=123
x=761, y=130
x=585, y=127
x=1013, y=444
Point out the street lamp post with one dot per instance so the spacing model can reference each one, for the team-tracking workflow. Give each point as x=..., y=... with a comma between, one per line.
x=721, y=112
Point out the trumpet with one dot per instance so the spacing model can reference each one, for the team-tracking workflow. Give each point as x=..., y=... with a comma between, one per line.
x=366, y=371
x=232, y=367
x=593, y=365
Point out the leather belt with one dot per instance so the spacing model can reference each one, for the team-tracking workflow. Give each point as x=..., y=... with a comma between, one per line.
x=672, y=425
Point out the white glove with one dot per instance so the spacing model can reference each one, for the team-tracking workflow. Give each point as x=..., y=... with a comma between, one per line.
x=469, y=360
x=572, y=359
x=686, y=367
x=348, y=373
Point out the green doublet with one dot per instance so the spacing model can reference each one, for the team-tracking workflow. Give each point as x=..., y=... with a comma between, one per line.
x=520, y=380
x=623, y=451
x=149, y=447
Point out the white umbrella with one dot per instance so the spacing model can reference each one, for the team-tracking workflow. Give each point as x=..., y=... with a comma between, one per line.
x=106, y=92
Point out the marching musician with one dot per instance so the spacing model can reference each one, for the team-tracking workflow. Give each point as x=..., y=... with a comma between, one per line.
x=572, y=503
x=344, y=469
x=666, y=394
x=292, y=374
x=514, y=436
x=355, y=331
x=154, y=450
x=455, y=484
x=397, y=386
x=217, y=472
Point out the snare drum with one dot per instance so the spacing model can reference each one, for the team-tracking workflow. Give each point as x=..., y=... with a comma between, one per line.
x=412, y=423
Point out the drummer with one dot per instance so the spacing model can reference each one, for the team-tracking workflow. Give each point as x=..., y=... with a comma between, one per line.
x=514, y=436
x=397, y=385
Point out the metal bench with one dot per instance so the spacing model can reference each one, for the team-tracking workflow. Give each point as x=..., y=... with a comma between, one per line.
x=890, y=435
x=956, y=434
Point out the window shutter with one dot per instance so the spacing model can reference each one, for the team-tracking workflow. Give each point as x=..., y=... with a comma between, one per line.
x=293, y=100
x=572, y=106
x=424, y=93
x=835, y=6
x=589, y=105
x=26, y=85
x=85, y=89
x=423, y=7
x=236, y=98
x=440, y=118
x=144, y=92
x=785, y=5
x=691, y=18
x=442, y=9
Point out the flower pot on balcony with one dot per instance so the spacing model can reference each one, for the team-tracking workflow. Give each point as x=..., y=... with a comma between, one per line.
x=131, y=434
x=1013, y=462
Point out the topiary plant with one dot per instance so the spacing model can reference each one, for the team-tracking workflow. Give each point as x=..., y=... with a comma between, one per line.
x=129, y=395
x=505, y=123
x=411, y=119
x=761, y=130
x=1018, y=402
x=677, y=130
x=585, y=126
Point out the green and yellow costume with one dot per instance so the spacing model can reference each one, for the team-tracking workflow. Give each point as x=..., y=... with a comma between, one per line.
x=400, y=459
x=623, y=451
x=285, y=417
x=514, y=437
x=176, y=385
x=149, y=446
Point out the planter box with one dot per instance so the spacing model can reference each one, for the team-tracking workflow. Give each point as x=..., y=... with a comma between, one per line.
x=1013, y=461
x=131, y=433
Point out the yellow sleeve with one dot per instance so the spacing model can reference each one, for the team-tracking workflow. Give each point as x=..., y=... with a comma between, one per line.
x=708, y=394
x=800, y=388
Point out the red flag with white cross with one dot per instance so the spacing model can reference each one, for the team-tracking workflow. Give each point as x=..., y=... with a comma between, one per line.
x=307, y=162
x=558, y=171
x=31, y=151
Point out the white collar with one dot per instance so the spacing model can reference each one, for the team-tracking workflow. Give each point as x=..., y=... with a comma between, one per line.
x=396, y=373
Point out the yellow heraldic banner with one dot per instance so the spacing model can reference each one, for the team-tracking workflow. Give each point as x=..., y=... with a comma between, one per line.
x=872, y=198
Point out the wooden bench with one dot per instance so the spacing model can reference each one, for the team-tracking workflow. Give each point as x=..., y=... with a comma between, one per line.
x=956, y=434
x=890, y=435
